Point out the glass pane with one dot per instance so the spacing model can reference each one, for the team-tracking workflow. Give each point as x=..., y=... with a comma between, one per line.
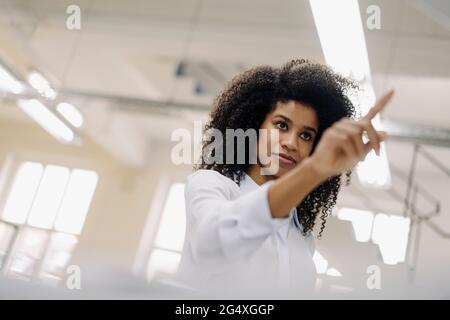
x=7, y=233
x=22, y=192
x=391, y=232
x=57, y=256
x=361, y=220
x=49, y=196
x=173, y=221
x=162, y=262
x=320, y=262
x=76, y=202
x=28, y=252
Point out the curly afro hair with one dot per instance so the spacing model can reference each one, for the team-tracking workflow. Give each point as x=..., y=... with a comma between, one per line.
x=251, y=96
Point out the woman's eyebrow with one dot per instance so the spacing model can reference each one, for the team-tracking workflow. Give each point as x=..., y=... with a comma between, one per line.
x=310, y=128
x=290, y=121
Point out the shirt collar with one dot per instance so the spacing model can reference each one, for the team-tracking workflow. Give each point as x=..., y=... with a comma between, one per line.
x=248, y=184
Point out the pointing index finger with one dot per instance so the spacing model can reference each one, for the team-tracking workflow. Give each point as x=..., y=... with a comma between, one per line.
x=379, y=106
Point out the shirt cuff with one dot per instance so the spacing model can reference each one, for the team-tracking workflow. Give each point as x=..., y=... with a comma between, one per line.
x=258, y=221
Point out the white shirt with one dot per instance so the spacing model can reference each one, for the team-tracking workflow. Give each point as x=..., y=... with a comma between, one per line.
x=233, y=242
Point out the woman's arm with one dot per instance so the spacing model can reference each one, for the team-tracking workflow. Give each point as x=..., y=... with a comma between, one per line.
x=301, y=180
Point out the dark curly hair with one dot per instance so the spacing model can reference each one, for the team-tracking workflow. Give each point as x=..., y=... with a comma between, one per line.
x=250, y=96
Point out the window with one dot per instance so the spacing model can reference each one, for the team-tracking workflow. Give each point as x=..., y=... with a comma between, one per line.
x=41, y=219
x=166, y=252
x=389, y=232
x=322, y=266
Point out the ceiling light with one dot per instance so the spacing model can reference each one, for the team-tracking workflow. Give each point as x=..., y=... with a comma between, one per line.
x=41, y=84
x=9, y=83
x=341, y=36
x=47, y=119
x=70, y=113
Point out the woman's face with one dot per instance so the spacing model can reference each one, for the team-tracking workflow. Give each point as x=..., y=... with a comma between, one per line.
x=297, y=127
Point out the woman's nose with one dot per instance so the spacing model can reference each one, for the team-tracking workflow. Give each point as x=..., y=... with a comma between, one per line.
x=289, y=141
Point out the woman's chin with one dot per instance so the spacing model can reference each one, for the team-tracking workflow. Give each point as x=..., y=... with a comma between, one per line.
x=282, y=171
x=276, y=171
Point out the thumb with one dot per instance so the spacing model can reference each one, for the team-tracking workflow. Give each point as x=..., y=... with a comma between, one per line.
x=382, y=135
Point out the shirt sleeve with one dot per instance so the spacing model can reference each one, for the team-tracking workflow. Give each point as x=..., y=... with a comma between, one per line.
x=222, y=229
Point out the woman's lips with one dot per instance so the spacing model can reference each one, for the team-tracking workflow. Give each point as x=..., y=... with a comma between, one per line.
x=285, y=159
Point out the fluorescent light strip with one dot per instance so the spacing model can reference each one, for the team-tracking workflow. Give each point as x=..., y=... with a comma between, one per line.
x=41, y=84
x=341, y=35
x=70, y=113
x=9, y=83
x=43, y=116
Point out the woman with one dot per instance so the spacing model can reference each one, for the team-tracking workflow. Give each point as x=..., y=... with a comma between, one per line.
x=251, y=228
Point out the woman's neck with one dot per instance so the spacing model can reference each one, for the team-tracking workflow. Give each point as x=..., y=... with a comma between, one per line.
x=254, y=172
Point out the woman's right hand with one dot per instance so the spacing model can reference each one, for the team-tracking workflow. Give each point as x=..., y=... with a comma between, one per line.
x=342, y=147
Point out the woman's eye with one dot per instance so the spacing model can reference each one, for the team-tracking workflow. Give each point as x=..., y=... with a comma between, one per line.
x=306, y=136
x=281, y=125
